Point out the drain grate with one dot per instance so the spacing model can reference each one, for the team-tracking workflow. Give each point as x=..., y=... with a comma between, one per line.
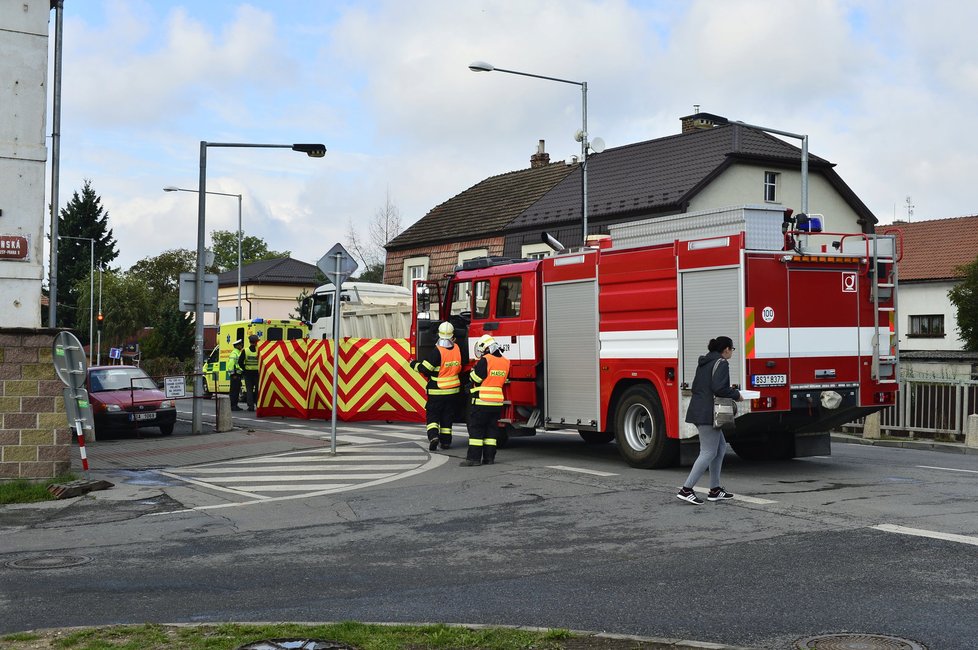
x=49, y=562
x=856, y=642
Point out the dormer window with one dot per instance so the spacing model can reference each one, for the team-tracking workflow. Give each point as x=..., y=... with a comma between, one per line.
x=771, y=186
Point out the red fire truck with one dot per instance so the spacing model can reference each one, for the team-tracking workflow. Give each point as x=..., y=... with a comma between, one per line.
x=604, y=340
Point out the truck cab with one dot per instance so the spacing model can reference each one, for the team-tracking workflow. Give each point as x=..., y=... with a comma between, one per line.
x=370, y=310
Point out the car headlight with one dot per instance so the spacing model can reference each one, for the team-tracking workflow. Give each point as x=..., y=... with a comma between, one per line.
x=112, y=408
x=166, y=404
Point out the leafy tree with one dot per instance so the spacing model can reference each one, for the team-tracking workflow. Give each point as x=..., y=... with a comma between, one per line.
x=162, y=273
x=964, y=296
x=82, y=218
x=126, y=301
x=253, y=249
x=173, y=332
x=369, y=251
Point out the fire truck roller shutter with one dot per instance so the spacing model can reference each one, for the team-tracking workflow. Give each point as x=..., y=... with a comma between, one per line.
x=571, y=353
x=710, y=306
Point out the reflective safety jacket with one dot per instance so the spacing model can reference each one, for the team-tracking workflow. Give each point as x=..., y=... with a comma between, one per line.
x=234, y=361
x=250, y=358
x=442, y=368
x=488, y=377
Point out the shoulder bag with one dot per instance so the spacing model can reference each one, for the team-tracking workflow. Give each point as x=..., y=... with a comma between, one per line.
x=724, y=408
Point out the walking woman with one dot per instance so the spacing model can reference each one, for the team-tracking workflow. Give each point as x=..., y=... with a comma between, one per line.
x=712, y=380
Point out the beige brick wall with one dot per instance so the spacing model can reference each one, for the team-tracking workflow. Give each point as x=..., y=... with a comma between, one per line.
x=35, y=441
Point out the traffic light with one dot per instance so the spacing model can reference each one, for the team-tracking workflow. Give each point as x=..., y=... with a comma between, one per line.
x=100, y=318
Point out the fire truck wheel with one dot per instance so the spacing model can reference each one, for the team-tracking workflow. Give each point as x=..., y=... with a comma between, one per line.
x=640, y=430
x=597, y=437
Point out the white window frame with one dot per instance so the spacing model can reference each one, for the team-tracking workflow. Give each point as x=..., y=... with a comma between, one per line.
x=412, y=263
x=535, y=251
x=472, y=254
x=772, y=182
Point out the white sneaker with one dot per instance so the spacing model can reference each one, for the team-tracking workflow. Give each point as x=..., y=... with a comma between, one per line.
x=689, y=496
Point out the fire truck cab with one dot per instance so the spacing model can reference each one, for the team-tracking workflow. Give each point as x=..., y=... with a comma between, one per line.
x=605, y=340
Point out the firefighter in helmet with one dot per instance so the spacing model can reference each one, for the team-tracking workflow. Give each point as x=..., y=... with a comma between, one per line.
x=486, y=390
x=442, y=368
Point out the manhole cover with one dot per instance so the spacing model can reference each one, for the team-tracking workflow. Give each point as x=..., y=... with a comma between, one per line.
x=49, y=562
x=857, y=642
x=296, y=644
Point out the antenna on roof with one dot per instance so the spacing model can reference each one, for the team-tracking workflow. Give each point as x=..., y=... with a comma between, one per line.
x=910, y=207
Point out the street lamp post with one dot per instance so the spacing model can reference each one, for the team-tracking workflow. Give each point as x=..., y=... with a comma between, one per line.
x=804, y=158
x=311, y=150
x=171, y=188
x=91, y=294
x=482, y=66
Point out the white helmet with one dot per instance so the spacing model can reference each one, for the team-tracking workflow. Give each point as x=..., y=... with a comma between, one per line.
x=446, y=330
x=485, y=345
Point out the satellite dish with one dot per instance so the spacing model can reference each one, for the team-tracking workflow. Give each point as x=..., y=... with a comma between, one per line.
x=597, y=145
x=579, y=135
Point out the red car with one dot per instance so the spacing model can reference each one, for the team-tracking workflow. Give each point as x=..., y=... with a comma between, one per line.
x=126, y=398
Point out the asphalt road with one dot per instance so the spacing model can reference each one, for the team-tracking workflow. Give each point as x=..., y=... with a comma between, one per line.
x=556, y=534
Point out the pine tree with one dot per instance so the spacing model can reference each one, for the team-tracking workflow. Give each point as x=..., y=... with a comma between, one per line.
x=83, y=218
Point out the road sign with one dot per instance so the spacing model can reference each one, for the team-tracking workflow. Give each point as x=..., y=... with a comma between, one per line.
x=337, y=264
x=115, y=353
x=188, y=292
x=78, y=408
x=175, y=386
x=69, y=359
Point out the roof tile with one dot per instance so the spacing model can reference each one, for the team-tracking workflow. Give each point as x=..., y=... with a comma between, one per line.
x=934, y=249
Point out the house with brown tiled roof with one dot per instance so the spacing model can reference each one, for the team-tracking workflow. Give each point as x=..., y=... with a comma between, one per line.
x=933, y=250
x=269, y=288
x=712, y=163
x=470, y=224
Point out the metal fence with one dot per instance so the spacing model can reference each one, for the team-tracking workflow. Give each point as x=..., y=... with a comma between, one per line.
x=928, y=408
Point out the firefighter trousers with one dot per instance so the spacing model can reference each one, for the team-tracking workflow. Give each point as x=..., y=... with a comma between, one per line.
x=483, y=425
x=439, y=415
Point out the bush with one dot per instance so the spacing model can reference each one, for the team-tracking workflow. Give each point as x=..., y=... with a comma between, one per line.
x=162, y=367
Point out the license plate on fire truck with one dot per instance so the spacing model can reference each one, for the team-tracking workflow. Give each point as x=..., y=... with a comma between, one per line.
x=769, y=380
x=143, y=416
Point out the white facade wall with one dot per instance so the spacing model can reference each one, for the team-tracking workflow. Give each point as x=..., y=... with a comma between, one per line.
x=744, y=185
x=23, y=155
x=924, y=299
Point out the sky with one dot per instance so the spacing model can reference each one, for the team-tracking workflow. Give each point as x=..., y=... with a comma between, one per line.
x=882, y=88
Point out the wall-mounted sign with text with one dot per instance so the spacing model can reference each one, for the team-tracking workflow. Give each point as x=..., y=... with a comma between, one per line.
x=15, y=248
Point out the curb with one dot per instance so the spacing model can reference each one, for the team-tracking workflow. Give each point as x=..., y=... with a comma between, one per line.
x=946, y=447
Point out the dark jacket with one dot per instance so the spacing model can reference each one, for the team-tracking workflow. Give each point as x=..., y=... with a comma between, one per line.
x=708, y=384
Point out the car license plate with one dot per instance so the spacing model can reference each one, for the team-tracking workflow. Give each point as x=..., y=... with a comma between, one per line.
x=769, y=380
x=143, y=416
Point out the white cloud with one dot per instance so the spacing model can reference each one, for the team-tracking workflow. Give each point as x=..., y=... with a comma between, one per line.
x=881, y=88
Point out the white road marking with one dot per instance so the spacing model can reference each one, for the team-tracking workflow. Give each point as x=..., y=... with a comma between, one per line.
x=294, y=488
x=754, y=500
x=740, y=497
x=433, y=463
x=419, y=436
x=356, y=440
x=297, y=478
x=295, y=468
x=949, y=469
x=919, y=532
x=580, y=470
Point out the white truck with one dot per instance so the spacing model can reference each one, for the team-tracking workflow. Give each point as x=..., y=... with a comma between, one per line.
x=370, y=310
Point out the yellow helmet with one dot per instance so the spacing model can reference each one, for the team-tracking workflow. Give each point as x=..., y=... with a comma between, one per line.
x=485, y=345
x=446, y=330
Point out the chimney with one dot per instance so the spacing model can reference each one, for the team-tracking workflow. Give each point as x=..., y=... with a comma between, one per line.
x=699, y=121
x=541, y=158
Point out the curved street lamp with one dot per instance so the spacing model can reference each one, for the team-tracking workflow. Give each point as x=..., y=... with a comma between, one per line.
x=482, y=66
x=311, y=150
x=171, y=188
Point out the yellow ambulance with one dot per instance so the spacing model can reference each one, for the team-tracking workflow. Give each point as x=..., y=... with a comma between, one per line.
x=217, y=379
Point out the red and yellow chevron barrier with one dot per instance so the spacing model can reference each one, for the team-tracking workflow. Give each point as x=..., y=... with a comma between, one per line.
x=374, y=383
